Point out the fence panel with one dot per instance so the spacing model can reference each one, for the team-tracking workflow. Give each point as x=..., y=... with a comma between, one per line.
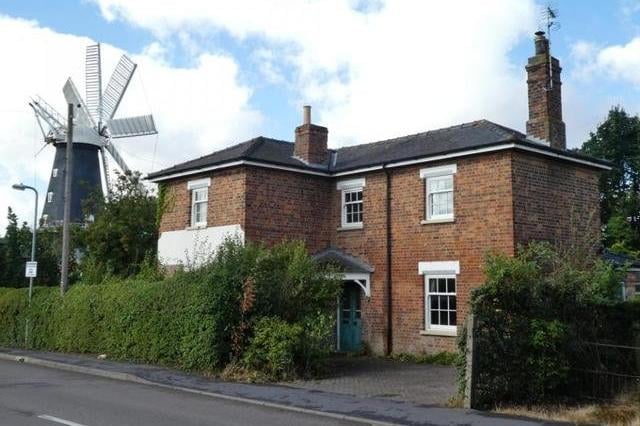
x=607, y=370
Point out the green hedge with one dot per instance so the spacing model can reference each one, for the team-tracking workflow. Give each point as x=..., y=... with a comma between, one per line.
x=201, y=319
x=167, y=322
x=536, y=316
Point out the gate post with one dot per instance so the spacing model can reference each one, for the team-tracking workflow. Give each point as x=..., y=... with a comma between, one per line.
x=470, y=366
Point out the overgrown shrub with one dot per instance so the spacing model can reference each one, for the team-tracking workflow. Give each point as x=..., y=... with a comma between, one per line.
x=534, y=314
x=274, y=347
x=198, y=319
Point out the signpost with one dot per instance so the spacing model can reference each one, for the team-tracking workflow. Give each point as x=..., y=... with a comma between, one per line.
x=31, y=271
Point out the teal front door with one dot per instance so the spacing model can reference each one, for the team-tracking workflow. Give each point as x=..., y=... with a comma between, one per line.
x=350, y=318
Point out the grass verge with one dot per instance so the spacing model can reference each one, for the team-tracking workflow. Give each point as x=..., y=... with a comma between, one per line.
x=624, y=411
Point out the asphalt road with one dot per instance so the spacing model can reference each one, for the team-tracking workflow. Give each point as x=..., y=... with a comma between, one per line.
x=37, y=396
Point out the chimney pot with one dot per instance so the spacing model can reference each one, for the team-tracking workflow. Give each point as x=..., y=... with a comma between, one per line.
x=542, y=43
x=307, y=114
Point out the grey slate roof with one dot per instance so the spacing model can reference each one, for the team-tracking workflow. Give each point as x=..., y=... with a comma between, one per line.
x=619, y=259
x=477, y=134
x=346, y=262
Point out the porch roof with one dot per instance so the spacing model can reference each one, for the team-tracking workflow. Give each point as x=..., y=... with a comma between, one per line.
x=348, y=263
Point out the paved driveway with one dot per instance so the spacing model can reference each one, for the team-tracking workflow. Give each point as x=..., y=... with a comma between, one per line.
x=370, y=377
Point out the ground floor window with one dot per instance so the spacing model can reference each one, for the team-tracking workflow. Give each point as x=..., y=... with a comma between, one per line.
x=440, y=303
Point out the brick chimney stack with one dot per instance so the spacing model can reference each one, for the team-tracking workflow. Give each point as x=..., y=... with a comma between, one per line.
x=545, y=99
x=311, y=141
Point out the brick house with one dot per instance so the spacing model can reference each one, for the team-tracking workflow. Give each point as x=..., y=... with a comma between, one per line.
x=630, y=285
x=410, y=220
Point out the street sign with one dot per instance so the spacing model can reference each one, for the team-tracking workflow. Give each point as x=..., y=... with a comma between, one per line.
x=31, y=270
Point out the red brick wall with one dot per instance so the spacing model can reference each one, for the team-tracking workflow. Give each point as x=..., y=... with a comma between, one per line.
x=226, y=200
x=370, y=245
x=483, y=222
x=285, y=205
x=555, y=201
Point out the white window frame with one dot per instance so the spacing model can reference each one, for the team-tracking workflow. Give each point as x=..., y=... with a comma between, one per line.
x=345, y=187
x=438, y=172
x=49, y=197
x=439, y=269
x=428, y=294
x=54, y=173
x=199, y=186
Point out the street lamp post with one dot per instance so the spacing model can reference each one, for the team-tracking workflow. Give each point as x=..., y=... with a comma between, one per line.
x=22, y=187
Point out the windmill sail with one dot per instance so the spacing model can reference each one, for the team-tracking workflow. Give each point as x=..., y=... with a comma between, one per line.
x=116, y=87
x=133, y=126
x=93, y=81
x=117, y=157
x=71, y=94
x=47, y=113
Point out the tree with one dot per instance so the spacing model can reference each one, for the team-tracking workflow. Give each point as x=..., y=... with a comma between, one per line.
x=617, y=139
x=124, y=231
x=16, y=251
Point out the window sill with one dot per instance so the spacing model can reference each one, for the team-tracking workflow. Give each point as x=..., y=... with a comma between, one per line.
x=432, y=221
x=350, y=227
x=196, y=227
x=436, y=332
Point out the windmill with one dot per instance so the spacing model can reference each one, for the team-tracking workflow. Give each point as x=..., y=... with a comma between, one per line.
x=93, y=132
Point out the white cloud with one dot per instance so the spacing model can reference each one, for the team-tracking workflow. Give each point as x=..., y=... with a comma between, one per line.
x=393, y=68
x=617, y=62
x=622, y=61
x=197, y=109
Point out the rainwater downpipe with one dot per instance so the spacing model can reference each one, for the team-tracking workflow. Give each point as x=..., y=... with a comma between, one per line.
x=389, y=348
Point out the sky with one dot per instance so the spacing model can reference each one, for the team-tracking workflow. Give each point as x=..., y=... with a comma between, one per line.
x=217, y=72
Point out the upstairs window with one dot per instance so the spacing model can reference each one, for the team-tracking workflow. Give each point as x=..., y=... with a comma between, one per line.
x=353, y=210
x=49, y=197
x=199, y=201
x=440, y=197
x=352, y=196
x=439, y=192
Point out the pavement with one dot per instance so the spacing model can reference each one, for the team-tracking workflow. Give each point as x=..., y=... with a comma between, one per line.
x=424, y=384
x=337, y=408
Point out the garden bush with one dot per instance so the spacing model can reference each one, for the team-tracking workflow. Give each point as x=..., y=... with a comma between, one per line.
x=535, y=313
x=198, y=319
x=281, y=350
x=273, y=347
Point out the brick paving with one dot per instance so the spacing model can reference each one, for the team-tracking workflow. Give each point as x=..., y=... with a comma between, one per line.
x=381, y=378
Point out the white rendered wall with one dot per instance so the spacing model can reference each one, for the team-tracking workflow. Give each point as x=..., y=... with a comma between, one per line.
x=192, y=247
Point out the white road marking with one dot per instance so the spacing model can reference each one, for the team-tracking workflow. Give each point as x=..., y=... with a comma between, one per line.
x=58, y=420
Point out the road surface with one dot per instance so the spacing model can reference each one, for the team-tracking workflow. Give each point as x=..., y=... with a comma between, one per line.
x=37, y=396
